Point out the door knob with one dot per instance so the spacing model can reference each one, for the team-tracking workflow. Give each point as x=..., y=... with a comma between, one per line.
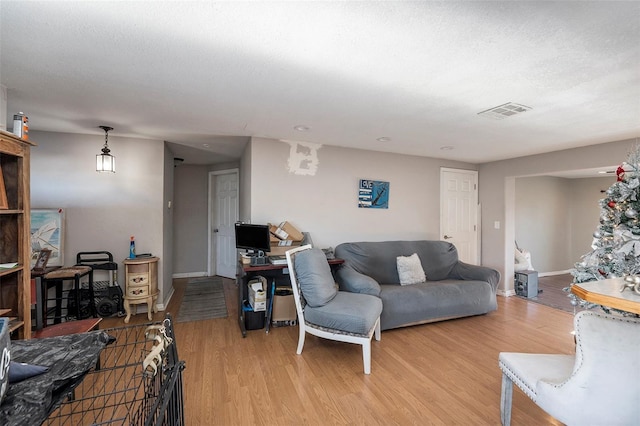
x=446, y=237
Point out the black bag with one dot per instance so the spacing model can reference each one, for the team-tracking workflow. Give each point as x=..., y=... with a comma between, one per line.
x=85, y=304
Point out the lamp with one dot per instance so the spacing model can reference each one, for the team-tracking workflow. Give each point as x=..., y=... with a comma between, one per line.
x=106, y=162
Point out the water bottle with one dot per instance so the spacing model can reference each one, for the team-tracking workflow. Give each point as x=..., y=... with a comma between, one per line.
x=132, y=248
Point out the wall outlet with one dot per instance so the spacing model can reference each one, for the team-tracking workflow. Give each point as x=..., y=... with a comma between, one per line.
x=496, y=224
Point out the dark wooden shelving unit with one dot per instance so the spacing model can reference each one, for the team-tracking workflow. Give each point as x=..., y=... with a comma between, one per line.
x=15, y=246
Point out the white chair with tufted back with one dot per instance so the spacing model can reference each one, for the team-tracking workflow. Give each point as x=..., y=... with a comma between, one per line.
x=600, y=385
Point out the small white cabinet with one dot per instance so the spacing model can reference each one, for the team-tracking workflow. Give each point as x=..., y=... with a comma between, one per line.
x=141, y=280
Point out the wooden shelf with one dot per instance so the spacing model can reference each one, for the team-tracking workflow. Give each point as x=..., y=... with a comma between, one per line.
x=7, y=212
x=8, y=271
x=4, y=311
x=15, y=324
x=15, y=283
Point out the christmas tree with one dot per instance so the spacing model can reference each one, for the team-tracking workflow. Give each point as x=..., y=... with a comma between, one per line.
x=616, y=241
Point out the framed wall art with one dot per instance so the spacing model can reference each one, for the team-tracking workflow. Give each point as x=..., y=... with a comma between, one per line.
x=373, y=194
x=47, y=232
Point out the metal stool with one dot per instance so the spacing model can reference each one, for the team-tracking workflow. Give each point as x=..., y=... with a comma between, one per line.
x=75, y=300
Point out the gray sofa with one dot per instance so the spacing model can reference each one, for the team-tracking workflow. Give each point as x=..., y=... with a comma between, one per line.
x=452, y=288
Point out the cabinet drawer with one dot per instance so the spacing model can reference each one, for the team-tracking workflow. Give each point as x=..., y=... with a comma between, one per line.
x=138, y=279
x=138, y=291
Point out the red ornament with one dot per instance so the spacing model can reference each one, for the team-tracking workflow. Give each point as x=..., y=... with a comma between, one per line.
x=611, y=204
x=620, y=173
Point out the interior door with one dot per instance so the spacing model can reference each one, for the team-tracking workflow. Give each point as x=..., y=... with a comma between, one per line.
x=223, y=216
x=459, y=211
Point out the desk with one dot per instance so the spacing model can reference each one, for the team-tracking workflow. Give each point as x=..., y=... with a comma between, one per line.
x=277, y=273
x=607, y=293
x=69, y=327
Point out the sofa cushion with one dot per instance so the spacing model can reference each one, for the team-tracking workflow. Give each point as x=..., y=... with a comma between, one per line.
x=313, y=274
x=352, y=313
x=410, y=269
x=378, y=259
x=434, y=300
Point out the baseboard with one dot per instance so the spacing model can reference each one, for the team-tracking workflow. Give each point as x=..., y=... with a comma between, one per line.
x=552, y=273
x=189, y=275
x=163, y=306
x=507, y=293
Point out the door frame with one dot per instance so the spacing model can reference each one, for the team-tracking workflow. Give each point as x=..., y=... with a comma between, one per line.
x=211, y=246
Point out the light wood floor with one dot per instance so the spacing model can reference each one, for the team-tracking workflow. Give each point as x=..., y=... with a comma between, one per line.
x=443, y=373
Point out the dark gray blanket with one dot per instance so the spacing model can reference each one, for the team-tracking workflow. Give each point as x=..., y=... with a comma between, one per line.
x=69, y=358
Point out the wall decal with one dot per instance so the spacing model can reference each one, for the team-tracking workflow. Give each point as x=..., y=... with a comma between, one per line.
x=373, y=194
x=303, y=158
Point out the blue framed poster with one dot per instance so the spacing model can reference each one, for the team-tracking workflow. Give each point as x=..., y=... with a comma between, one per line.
x=373, y=194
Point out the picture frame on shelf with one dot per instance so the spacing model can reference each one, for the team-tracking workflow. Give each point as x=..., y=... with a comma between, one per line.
x=47, y=232
x=4, y=203
x=42, y=260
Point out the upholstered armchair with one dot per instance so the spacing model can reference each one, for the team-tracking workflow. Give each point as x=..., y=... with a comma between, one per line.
x=600, y=385
x=324, y=311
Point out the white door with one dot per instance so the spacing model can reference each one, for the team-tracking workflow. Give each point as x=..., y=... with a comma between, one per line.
x=459, y=211
x=223, y=214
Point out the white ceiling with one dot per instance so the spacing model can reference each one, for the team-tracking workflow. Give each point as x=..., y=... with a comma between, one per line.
x=216, y=73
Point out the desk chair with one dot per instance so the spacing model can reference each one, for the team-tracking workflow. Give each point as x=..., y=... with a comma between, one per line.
x=324, y=311
x=600, y=385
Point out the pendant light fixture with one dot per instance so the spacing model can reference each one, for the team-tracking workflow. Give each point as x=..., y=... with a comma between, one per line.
x=106, y=162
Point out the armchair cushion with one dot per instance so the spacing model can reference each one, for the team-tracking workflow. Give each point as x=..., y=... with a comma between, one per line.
x=314, y=277
x=352, y=313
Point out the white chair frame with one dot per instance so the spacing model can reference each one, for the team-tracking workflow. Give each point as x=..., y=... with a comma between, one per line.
x=596, y=386
x=338, y=335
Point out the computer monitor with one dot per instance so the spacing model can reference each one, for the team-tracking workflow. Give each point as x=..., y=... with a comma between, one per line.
x=253, y=237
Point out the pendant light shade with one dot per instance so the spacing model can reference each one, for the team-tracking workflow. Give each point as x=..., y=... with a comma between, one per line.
x=106, y=162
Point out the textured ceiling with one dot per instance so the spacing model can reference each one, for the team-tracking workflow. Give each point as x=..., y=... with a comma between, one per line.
x=418, y=73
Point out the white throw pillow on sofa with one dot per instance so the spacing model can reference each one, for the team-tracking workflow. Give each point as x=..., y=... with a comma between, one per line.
x=410, y=269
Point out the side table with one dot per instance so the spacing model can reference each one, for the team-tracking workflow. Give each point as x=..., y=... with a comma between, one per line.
x=141, y=280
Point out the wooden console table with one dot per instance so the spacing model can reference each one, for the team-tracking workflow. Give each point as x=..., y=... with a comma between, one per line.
x=607, y=293
x=277, y=273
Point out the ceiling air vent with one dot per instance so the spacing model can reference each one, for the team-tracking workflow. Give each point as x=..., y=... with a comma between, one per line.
x=505, y=110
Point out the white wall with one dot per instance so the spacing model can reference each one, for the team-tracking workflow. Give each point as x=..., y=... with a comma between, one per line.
x=245, y=185
x=103, y=209
x=326, y=204
x=166, y=265
x=555, y=218
x=542, y=221
x=190, y=227
x=497, y=195
x=585, y=212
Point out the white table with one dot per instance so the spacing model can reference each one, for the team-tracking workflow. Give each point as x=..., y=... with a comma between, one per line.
x=607, y=293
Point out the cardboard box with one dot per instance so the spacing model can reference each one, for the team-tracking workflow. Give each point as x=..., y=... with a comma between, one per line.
x=287, y=231
x=280, y=247
x=284, y=308
x=257, y=296
x=280, y=250
x=273, y=230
